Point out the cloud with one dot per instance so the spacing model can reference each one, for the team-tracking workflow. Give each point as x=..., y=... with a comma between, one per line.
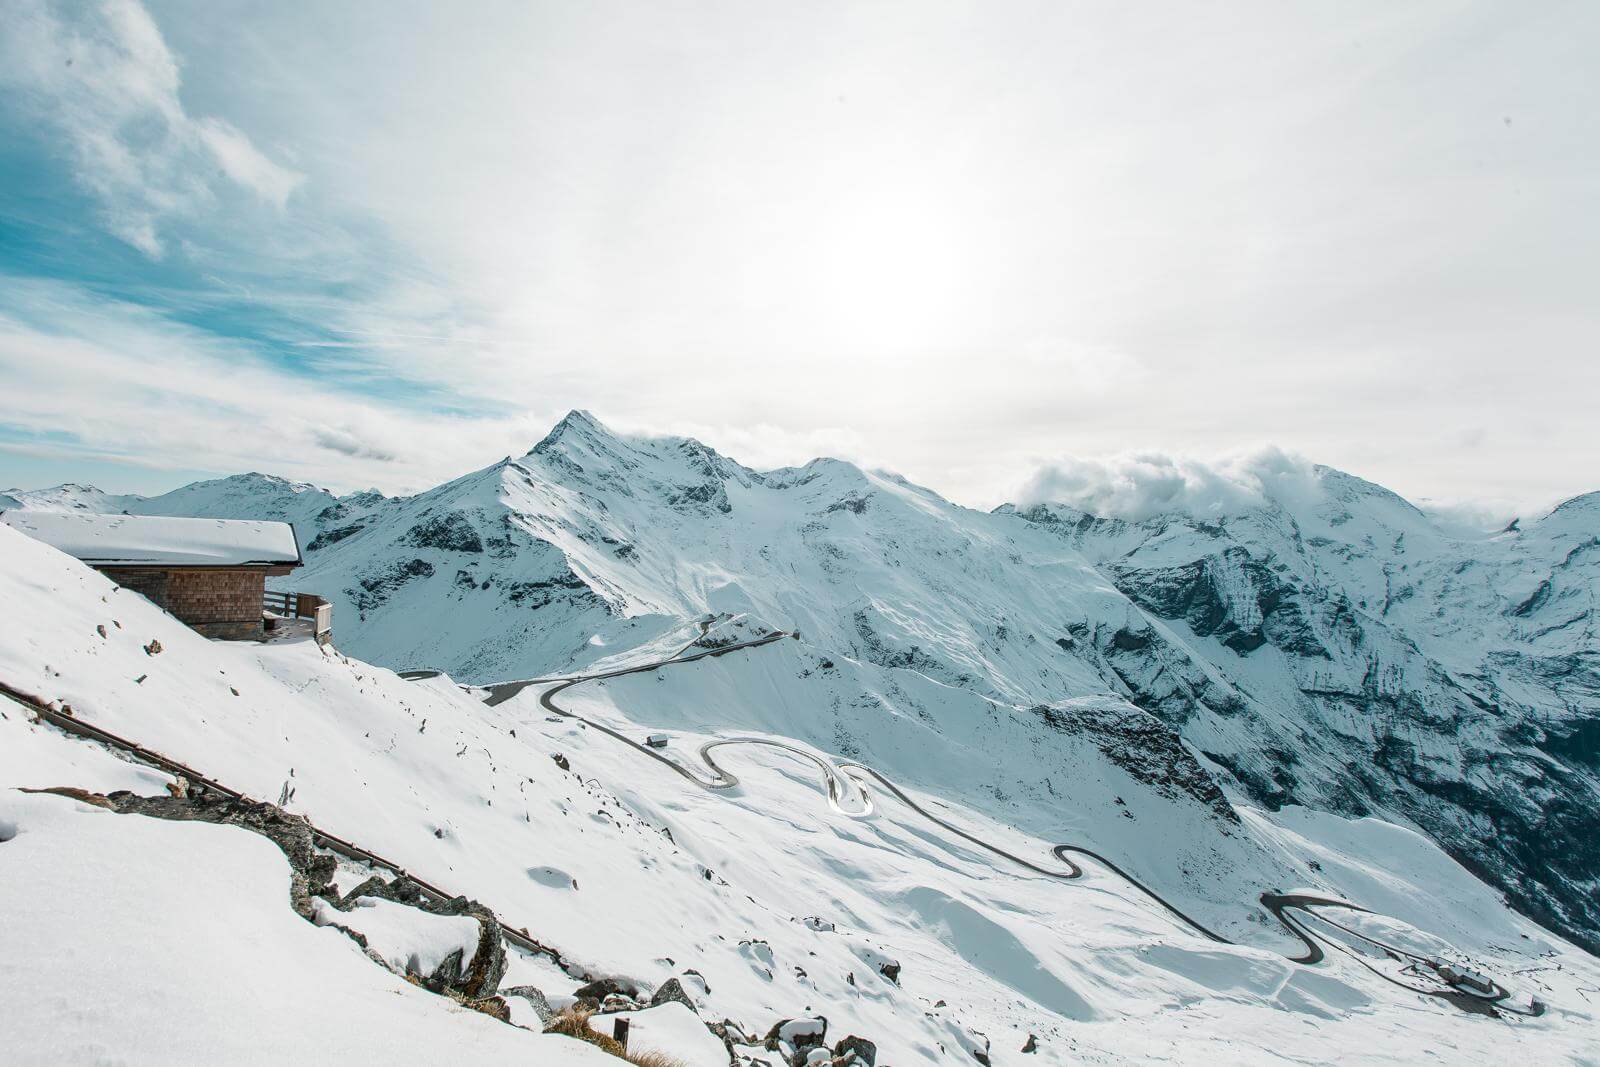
x=113, y=380
x=544, y=209
x=1142, y=485
x=245, y=164
x=1476, y=516
x=348, y=444
x=101, y=77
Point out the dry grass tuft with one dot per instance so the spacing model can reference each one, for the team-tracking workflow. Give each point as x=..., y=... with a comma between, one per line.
x=654, y=1059
x=574, y=1022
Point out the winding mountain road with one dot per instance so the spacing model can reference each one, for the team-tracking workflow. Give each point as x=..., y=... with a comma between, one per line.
x=1298, y=913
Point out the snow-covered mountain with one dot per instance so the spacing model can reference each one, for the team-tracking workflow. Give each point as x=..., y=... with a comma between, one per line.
x=800, y=930
x=1370, y=661
x=69, y=497
x=1335, y=648
x=261, y=495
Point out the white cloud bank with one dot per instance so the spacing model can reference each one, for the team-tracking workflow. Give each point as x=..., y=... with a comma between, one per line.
x=101, y=76
x=1142, y=485
x=1136, y=486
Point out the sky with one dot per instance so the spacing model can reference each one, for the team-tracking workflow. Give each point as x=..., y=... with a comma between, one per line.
x=384, y=243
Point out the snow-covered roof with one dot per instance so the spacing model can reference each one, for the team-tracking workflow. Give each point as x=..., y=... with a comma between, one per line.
x=160, y=539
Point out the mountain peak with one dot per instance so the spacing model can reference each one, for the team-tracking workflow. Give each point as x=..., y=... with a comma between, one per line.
x=249, y=482
x=1346, y=487
x=69, y=496
x=577, y=421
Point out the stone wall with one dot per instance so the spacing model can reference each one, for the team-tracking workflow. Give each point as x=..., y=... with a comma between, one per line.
x=216, y=603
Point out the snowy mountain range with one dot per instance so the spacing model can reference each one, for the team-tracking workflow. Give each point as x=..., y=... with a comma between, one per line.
x=1334, y=647
x=1175, y=693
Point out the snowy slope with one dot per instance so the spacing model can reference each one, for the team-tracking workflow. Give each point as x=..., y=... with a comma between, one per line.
x=193, y=962
x=1387, y=665
x=765, y=902
x=68, y=497
x=250, y=496
x=1331, y=646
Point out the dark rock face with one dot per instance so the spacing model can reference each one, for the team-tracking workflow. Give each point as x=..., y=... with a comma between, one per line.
x=854, y=503
x=334, y=535
x=1128, y=640
x=1273, y=784
x=1580, y=743
x=711, y=493
x=1160, y=677
x=450, y=532
x=671, y=989
x=1139, y=743
x=564, y=588
x=706, y=495
x=377, y=588
x=346, y=506
x=864, y=1051
x=876, y=649
x=1540, y=837
x=1229, y=596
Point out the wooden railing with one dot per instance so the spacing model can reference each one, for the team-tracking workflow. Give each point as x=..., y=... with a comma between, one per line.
x=300, y=606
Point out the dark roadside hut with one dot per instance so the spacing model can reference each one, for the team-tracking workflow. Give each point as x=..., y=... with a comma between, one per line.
x=208, y=573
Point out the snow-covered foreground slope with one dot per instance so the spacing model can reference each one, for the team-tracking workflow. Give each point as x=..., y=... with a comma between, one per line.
x=132, y=940
x=764, y=901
